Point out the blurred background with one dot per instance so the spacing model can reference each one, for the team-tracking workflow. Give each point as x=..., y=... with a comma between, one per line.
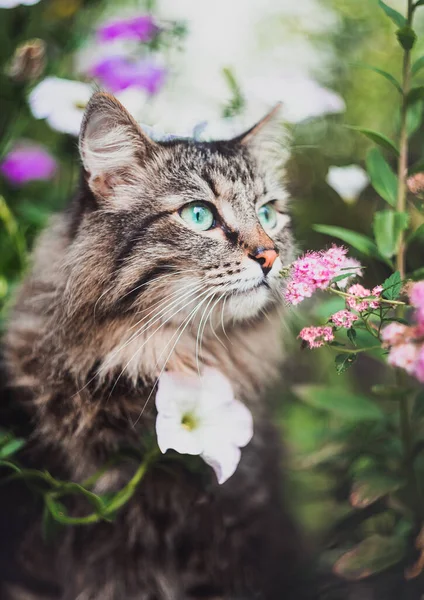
x=209, y=70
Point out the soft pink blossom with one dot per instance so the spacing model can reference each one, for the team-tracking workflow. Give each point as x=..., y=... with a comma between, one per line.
x=317, y=336
x=396, y=333
x=343, y=318
x=416, y=297
x=315, y=270
x=419, y=365
x=404, y=356
x=357, y=303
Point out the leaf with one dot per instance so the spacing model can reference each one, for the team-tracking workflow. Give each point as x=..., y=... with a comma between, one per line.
x=371, y=486
x=351, y=334
x=388, y=228
x=359, y=241
x=341, y=277
x=11, y=447
x=414, y=116
x=383, y=180
x=393, y=14
x=376, y=137
x=417, y=235
x=406, y=37
x=344, y=362
x=415, y=94
x=392, y=286
x=417, y=66
x=417, y=275
x=384, y=74
x=346, y=405
x=373, y=555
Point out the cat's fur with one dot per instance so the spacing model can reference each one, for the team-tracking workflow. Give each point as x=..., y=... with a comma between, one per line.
x=82, y=369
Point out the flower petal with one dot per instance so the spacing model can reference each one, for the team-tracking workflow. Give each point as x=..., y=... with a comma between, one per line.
x=223, y=459
x=177, y=393
x=216, y=390
x=172, y=435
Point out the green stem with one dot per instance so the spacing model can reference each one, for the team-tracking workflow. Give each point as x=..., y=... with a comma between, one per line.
x=354, y=350
x=403, y=143
x=345, y=295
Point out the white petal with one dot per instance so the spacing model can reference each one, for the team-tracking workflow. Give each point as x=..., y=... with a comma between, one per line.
x=177, y=393
x=347, y=181
x=216, y=391
x=239, y=423
x=223, y=459
x=171, y=434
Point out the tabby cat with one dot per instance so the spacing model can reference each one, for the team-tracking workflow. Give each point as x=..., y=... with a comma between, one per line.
x=161, y=238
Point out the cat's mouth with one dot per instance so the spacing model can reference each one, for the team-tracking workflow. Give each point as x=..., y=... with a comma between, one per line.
x=255, y=287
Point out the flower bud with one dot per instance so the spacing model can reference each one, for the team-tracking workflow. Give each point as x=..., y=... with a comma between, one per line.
x=29, y=61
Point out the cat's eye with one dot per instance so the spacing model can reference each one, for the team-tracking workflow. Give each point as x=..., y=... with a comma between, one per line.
x=198, y=215
x=268, y=216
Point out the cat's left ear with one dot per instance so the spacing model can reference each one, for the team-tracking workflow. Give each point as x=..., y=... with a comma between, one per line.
x=112, y=146
x=262, y=129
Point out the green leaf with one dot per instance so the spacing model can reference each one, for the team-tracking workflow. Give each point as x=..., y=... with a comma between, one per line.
x=415, y=94
x=419, y=3
x=383, y=180
x=371, y=486
x=11, y=447
x=414, y=116
x=376, y=137
x=351, y=334
x=341, y=277
x=393, y=14
x=344, y=361
x=359, y=241
x=392, y=286
x=388, y=228
x=346, y=405
x=373, y=555
x=417, y=66
x=384, y=74
x=417, y=275
x=417, y=235
x=406, y=37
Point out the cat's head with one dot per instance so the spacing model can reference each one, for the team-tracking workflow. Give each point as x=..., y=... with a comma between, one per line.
x=178, y=225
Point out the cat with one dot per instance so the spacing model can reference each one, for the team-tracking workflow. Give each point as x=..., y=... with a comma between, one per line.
x=157, y=230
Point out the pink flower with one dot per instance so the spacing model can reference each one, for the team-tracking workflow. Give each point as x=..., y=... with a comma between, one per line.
x=404, y=356
x=350, y=265
x=419, y=365
x=416, y=296
x=141, y=29
x=317, y=336
x=360, y=292
x=298, y=291
x=396, y=333
x=28, y=162
x=315, y=270
x=343, y=318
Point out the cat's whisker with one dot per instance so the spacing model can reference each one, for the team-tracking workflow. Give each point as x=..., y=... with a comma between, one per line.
x=211, y=322
x=199, y=328
x=151, y=335
x=184, y=326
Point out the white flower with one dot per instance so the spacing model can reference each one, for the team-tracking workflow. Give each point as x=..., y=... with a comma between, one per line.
x=348, y=181
x=13, y=3
x=62, y=102
x=200, y=416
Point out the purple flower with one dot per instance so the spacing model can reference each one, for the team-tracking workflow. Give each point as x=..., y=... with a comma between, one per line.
x=28, y=163
x=118, y=73
x=141, y=29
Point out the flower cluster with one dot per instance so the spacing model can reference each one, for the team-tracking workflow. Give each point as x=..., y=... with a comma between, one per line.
x=406, y=342
x=316, y=270
x=316, y=337
x=141, y=29
x=344, y=319
x=362, y=297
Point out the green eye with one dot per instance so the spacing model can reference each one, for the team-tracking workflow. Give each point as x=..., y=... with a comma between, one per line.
x=267, y=215
x=199, y=216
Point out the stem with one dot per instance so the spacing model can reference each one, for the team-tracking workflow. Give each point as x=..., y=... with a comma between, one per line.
x=355, y=350
x=403, y=144
x=381, y=300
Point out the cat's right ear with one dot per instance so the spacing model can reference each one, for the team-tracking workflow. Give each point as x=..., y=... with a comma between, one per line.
x=113, y=148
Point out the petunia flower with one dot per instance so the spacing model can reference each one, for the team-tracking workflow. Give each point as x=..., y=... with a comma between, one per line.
x=27, y=162
x=141, y=29
x=348, y=182
x=62, y=102
x=13, y=3
x=117, y=73
x=200, y=416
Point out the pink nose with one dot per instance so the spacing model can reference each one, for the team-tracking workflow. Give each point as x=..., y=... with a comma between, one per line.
x=266, y=258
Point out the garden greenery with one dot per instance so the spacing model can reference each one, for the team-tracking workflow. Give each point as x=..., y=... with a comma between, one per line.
x=379, y=436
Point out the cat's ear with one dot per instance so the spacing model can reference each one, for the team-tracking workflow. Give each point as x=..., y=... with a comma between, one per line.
x=112, y=146
x=262, y=129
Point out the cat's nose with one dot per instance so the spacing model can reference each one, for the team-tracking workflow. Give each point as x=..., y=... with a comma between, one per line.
x=265, y=257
